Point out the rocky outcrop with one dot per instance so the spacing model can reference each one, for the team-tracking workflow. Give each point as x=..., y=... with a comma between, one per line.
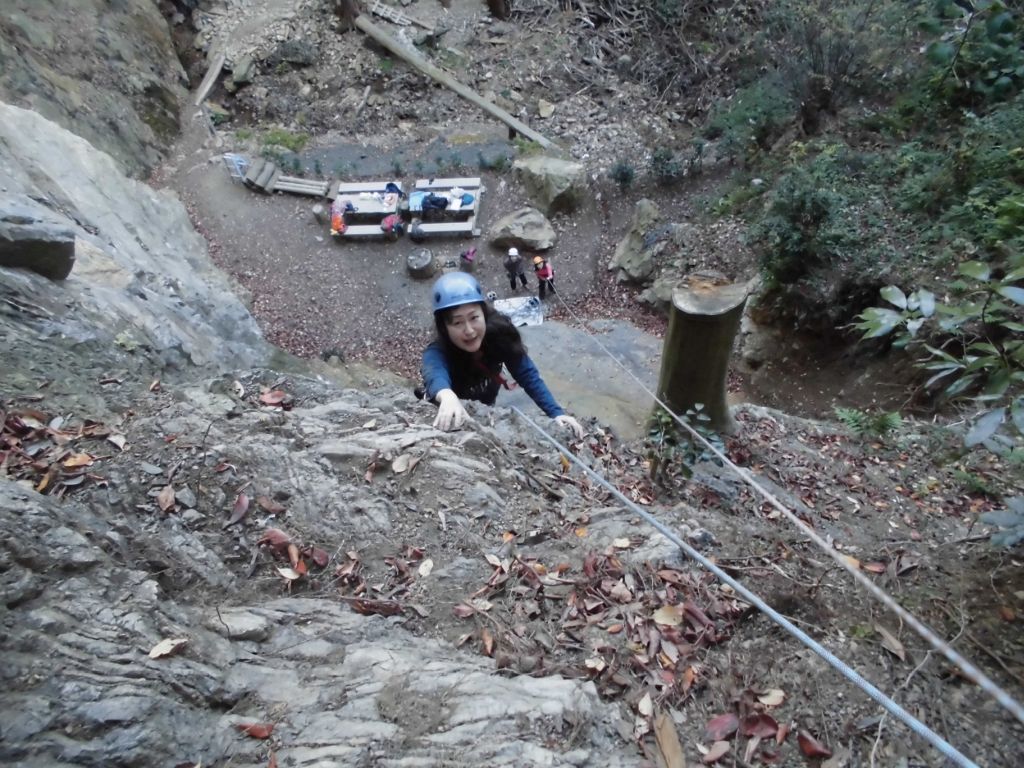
x=526, y=228
x=631, y=257
x=553, y=185
x=30, y=239
x=143, y=279
x=106, y=71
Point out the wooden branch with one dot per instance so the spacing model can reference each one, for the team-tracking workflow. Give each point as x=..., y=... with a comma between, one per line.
x=438, y=74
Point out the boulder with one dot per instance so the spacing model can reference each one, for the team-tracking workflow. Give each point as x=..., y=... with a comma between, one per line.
x=553, y=185
x=659, y=294
x=29, y=239
x=526, y=228
x=632, y=258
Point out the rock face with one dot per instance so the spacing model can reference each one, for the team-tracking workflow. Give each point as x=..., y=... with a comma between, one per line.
x=106, y=71
x=631, y=257
x=142, y=280
x=31, y=239
x=554, y=185
x=526, y=228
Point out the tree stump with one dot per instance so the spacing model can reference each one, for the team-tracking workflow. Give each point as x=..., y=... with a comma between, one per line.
x=705, y=316
x=420, y=263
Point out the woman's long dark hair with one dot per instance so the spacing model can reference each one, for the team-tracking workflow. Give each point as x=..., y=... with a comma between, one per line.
x=502, y=341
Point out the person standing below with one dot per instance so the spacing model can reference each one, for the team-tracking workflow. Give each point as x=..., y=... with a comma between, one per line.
x=514, y=267
x=545, y=276
x=474, y=343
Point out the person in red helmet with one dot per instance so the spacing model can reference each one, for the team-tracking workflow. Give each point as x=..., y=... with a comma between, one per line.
x=545, y=276
x=474, y=344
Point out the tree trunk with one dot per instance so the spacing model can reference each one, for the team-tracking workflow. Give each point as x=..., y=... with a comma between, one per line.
x=500, y=9
x=424, y=66
x=704, y=318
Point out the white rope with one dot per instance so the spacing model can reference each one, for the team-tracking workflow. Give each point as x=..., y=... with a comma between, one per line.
x=969, y=669
x=834, y=661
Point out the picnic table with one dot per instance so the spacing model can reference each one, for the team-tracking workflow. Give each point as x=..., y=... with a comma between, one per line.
x=457, y=218
x=371, y=201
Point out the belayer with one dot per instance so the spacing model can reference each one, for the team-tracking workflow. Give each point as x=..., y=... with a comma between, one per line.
x=465, y=361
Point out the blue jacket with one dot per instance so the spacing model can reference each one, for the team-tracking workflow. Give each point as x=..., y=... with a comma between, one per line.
x=481, y=383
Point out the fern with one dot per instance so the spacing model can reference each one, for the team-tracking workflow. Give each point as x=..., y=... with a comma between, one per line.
x=867, y=424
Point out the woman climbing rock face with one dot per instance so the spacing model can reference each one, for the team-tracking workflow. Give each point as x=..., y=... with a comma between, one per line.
x=474, y=342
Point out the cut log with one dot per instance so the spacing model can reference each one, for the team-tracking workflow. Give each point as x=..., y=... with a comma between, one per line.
x=438, y=74
x=420, y=263
x=704, y=318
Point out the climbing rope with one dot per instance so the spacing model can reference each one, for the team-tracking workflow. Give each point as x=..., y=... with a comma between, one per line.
x=969, y=669
x=835, y=662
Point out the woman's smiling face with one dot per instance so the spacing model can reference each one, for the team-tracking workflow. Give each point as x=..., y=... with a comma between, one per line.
x=466, y=327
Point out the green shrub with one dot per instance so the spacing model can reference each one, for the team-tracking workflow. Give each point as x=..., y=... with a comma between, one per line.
x=665, y=167
x=867, y=424
x=622, y=173
x=752, y=120
x=796, y=235
x=294, y=142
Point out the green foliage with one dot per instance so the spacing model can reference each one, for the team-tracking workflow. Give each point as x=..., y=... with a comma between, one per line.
x=974, y=344
x=665, y=167
x=526, y=147
x=752, y=120
x=797, y=235
x=673, y=451
x=243, y=134
x=455, y=161
x=866, y=424
x=318, y=168
x=1010, y=522
x=386, y=64
x=396, y=167
x=622, y=173
x=278, y=137
x=976, y=57
x=497, y=163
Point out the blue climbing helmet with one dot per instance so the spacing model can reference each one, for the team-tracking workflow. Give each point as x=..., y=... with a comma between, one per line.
x=455, y=289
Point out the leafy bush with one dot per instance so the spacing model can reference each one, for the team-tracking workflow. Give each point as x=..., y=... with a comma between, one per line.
x=974, y=345
x=665, y=168
x=752, y=120
x=977, y=56
x=1010, y=521
x=672, y=451
x=796, y=234
x=622, y=173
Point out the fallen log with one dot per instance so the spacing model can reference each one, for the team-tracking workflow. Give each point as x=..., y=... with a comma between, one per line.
x=438, y=74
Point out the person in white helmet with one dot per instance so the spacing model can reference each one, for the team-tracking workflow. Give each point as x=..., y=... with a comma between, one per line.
x=474, y=343
x=514, y=267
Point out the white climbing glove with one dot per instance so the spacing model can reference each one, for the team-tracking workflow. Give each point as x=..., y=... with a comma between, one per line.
x=571, y=424
x=451, y=414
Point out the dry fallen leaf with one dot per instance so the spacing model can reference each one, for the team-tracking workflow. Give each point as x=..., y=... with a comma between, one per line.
x=595, y=663
x=239, y=510
x=463, y=611
x=401, y=464
x=645, y=706
x=874, y=567
x=270, y=506
x=762, y=726
x=273, y=760
x=256, y=730
x=488, y=641
x=274, y=397
x=890, y=643
x=78, y=460
x=722, y=726
x=668, y=615
x=168, y=647
x=622, y=543
x=289, y=573
x=718, y=750
x=319, y=556
x=425, y=567
x=668, y=742
x=1006, y=613
x=165, y=499
x=773, y=697
x=811, y=747
x=293, y=555
x=118, y=440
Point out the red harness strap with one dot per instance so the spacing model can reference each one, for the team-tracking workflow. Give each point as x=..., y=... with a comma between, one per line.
x=496, y=376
